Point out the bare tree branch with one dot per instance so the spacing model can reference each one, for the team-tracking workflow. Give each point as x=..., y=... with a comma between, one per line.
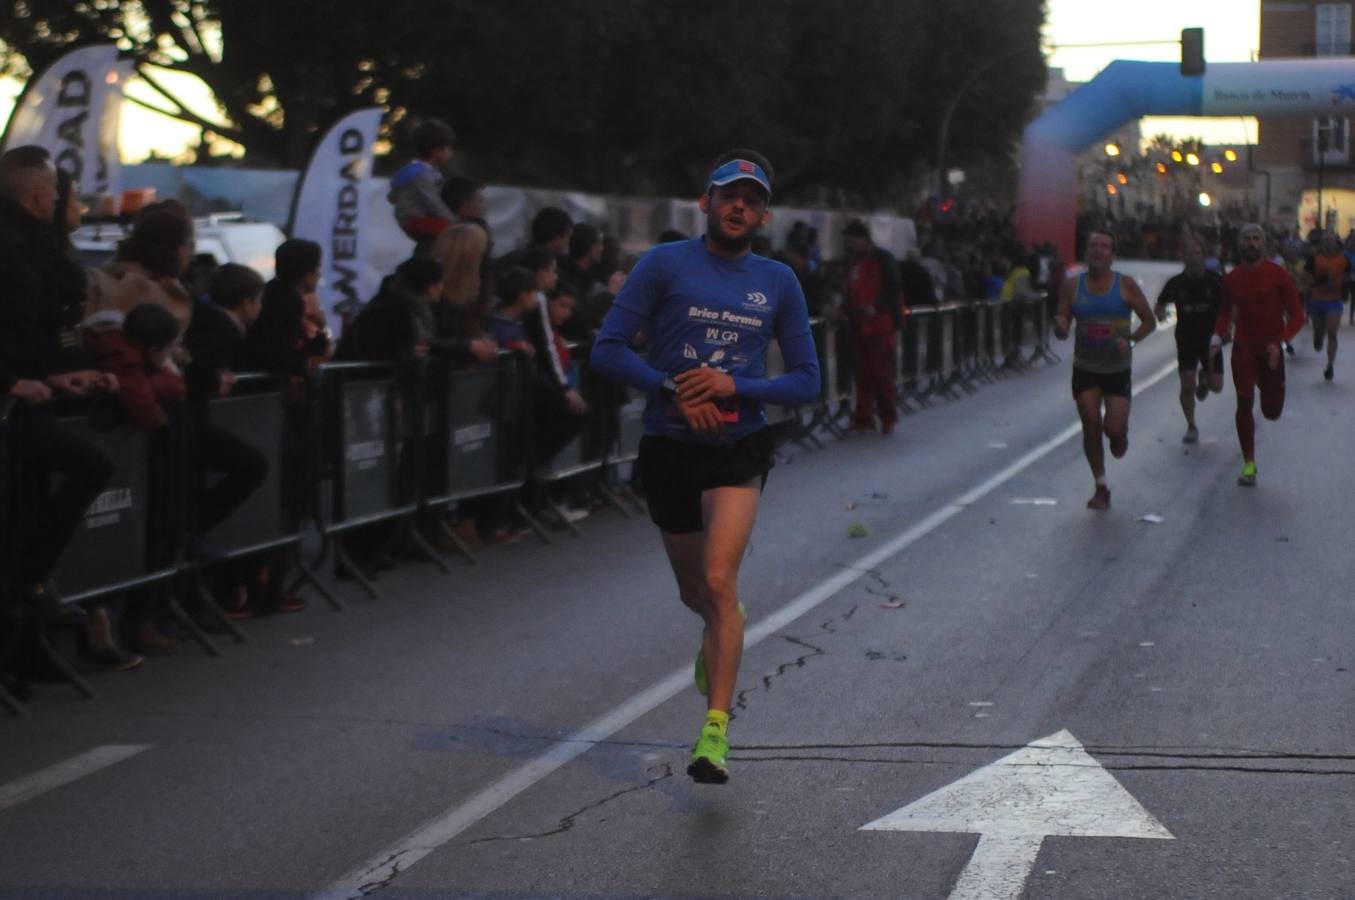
x=184, y=114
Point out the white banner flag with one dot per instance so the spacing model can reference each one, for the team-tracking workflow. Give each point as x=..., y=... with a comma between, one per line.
x=331, y=209
x=72, y=108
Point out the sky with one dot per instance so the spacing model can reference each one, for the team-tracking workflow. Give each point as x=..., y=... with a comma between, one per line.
x=1231, y=35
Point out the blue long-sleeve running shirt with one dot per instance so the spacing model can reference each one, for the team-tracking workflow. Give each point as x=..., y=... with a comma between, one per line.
x=697, y=308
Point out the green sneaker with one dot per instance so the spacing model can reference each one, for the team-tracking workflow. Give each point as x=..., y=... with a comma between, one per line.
x=708, y=758
x=1248, y=476
x=699, y=670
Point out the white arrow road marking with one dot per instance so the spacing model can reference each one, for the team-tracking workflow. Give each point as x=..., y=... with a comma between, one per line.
x=1052, y=786
x=64, y=773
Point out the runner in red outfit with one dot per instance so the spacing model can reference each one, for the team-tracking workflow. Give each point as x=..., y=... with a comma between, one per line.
x=1264, y=309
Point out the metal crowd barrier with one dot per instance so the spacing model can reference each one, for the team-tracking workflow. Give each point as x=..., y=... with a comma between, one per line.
x=257, y=412
x=942, y=351
x=479, y=439
x=587, y=451
x=370, y=451
x=11, y=616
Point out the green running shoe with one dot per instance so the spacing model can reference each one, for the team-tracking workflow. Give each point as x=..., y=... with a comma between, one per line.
x=708, y=758
x=1248, y=476
x=699, y=671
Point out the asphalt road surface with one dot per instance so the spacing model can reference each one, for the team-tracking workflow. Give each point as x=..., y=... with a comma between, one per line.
x=1110, y=707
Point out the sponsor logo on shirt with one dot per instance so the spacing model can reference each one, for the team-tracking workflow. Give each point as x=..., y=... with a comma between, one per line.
x=757, y=298
x=689, y=352
x=723, y=315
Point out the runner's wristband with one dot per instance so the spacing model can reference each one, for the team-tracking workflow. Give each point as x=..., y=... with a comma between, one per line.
x=668, y=389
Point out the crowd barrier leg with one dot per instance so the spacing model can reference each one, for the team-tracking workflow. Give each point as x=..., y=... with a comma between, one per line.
x=906, y=356
x=190, y=624
x=533, y=522
x=344, y=563
x=1015, y=319
x=455, y=540
x=1042, y=349
x=308, y=575
x=11, y=703
x=804, y=433
x=614, y=497
x=421, y=544
x=966, y=348
x=987, y=341
x=67, y=671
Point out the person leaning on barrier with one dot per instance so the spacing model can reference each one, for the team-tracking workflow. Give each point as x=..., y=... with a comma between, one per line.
x=146, y=268
x=463, y=251
x=397, y=324
x=216, y=342
x=489, y=519
x=559, y=408
x=148, y=381
x=32, y=371
x=582, y=266
x=282, y=340
x=551, y=228
x=517, y=297
x=215, y=339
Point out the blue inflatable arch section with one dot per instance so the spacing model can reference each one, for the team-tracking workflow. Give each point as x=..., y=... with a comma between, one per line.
x=1127, y=90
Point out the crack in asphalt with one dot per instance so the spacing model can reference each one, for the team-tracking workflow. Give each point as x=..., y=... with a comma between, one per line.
x=664, y=770
x=1220, y=754
x=1249, y=770
x=881, y=588
x=393, y=862
x=828, y=627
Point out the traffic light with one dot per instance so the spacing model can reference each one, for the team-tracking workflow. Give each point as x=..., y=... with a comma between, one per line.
x=1192, y=51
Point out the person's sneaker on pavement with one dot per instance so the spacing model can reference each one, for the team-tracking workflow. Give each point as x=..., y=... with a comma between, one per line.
x=708, y=765
x=1100, y=499
x=1192, y=435
x=1248, y=476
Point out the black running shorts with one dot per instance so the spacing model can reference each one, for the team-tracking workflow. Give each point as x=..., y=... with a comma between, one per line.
x=1192, y=351
x=1114, y=384
x=675, y=474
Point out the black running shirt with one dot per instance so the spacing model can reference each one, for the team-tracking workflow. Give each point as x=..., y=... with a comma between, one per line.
x=1196, y=300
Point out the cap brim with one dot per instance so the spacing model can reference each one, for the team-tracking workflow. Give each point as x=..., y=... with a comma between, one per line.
x=743, y=176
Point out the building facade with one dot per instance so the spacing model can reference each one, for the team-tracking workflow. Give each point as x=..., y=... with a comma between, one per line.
x=1305, y=165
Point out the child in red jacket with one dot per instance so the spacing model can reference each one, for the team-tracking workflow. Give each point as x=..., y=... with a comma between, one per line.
x=148, y=380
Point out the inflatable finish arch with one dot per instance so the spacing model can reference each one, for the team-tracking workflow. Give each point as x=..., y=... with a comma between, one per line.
x=1126, y=90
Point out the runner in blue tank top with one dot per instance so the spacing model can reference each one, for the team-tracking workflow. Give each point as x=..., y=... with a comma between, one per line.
x=708, y=309
x=1101, y=301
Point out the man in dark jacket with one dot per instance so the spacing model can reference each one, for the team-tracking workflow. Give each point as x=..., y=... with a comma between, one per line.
x=31, y=372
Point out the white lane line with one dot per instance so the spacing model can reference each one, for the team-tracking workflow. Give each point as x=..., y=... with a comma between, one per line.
x=381, y=869
x=64, y=773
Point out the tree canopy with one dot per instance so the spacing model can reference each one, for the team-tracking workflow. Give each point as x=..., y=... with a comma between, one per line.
x=622, y=96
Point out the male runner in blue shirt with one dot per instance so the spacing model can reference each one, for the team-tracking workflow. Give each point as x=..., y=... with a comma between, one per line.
x=708, y=309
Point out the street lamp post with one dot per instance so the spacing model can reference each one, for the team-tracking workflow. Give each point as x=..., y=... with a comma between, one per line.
x=944, y=132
